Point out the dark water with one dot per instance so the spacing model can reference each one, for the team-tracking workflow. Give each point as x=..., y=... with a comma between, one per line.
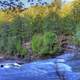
x=51, y=69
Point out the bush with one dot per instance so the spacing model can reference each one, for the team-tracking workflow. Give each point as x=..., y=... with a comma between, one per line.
x=37, y=42
x=46, y=44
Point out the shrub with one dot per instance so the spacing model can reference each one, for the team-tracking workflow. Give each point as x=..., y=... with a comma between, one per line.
x=46, y=44
x=37, y=42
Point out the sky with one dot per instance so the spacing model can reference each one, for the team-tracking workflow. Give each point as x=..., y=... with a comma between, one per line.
x=26, y=4
x=67, y=1
x=49, y=1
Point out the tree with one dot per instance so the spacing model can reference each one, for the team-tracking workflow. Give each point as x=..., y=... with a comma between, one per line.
x=68, y=25
x=58, y=3
x=11, y=5
x=76, y=18
x=76, y=11
x=52, y=22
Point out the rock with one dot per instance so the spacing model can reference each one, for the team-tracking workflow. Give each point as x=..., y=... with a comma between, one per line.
x=59, y=60
x=60, y=65
x=63, y=67
x=10, y=65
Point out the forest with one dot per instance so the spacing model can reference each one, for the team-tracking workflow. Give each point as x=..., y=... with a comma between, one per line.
x=39, y=31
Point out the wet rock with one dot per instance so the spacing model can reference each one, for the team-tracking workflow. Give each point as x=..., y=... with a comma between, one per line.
x=9, y=65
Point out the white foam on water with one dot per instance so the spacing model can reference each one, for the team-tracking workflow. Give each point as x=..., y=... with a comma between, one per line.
x=10, y=65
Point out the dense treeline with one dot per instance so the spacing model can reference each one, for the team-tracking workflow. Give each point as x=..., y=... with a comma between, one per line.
x=41, y=26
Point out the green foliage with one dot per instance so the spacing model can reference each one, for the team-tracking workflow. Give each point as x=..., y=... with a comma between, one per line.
x=68, y=25
x=37, y=43
x=77, y=27
x=76, y=15
x=37, y=24
x=40, y=24
x=76, y=36
x=52, y=22
x=22, y=27
x=12, y=35
x=46, y=44
x=76, y=11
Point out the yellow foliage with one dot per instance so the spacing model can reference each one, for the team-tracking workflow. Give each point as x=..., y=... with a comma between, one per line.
x=42, y=11
x=37, y=10
x=66, y=10
x=1, y=16
x=4, y=17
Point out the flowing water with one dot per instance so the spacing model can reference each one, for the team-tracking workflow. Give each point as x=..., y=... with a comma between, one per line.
x=64, y=67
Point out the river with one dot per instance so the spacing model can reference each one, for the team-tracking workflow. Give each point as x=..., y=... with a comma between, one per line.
x=63, y=67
